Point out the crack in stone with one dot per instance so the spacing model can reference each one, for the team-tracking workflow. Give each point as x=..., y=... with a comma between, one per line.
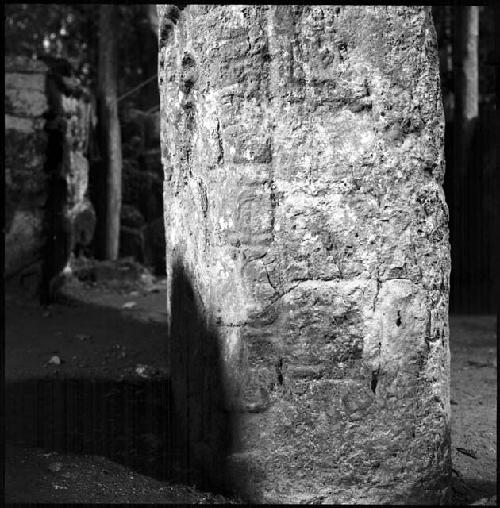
x=220, y=156
x=317, y=279
x=269, y=278
x=379, y=284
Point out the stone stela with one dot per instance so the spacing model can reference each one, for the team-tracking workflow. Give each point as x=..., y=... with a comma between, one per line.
x=307, y=250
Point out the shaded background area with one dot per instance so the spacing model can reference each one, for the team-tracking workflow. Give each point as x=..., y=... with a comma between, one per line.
x=466, y=41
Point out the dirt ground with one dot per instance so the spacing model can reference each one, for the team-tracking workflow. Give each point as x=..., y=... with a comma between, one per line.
x=99, y=359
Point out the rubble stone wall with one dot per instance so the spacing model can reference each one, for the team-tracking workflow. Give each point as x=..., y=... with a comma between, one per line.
x=25, y=147
x=307, y=249
x=47, y=121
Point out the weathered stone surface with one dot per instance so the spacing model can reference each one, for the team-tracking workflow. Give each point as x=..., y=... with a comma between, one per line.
x=25, y=102
x=23, y=240
x=24, y=168
x=23, y=64
x=307, y=249
x=25, y=93
x=47, y=209
x=25, y=179
x=22, y=81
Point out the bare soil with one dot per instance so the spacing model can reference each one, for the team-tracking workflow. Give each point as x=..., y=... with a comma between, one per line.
x=473, y=341
x=87, y=380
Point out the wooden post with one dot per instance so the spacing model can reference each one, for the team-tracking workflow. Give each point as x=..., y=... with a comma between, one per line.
x=110, y=127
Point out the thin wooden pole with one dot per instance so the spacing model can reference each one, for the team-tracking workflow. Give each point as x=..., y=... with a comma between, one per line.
x=110, y=127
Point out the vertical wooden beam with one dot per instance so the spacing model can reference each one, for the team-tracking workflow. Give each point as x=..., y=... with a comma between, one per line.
x=110, y=127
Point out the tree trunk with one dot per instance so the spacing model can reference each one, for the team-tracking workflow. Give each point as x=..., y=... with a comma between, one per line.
x=307, y=250
x=465, y=69
x=110, y=127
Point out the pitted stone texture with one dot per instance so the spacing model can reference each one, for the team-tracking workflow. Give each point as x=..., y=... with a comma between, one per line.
x=46, y=135
x=25, y=146
x=303, y=156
